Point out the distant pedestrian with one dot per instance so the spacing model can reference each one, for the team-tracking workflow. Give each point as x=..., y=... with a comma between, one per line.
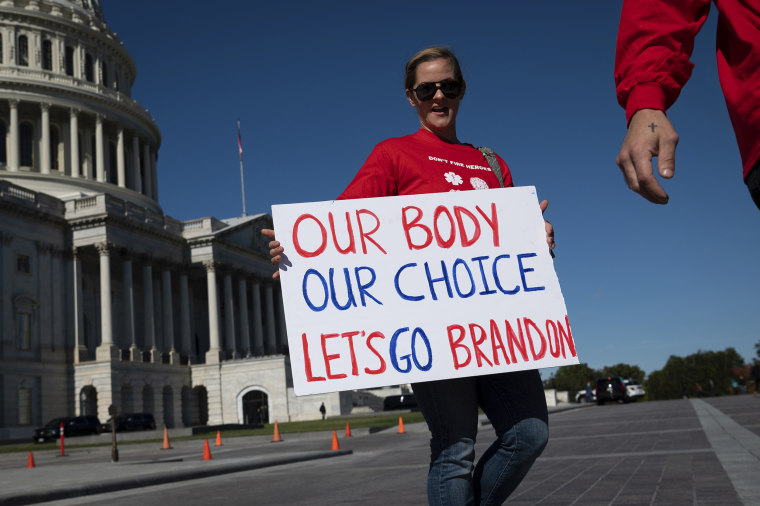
x=589, y=391
x=698, y=389
x=323, y=410
x=742, y=384
x=712, y=388
x=734, y=386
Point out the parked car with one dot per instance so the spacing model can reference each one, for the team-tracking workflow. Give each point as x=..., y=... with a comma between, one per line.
x=610, y=389
x=581, y=396
x=633, y=389
x=404, y=401
x=72, y=426
x=131, y=421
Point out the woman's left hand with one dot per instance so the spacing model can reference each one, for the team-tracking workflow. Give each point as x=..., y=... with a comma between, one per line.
x=549, y=228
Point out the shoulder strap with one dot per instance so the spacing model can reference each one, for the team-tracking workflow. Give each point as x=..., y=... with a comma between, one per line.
x=490, y=157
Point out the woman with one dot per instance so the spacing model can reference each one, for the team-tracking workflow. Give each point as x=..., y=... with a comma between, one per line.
x=429, y=161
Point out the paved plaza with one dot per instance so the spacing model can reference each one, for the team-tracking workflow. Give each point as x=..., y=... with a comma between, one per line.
x=703, y=452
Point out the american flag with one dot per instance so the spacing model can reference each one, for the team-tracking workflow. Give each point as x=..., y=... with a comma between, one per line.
x=240, y=143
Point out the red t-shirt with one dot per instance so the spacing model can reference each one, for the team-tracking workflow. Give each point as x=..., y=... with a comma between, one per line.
x=655, y=41
x=423, y=163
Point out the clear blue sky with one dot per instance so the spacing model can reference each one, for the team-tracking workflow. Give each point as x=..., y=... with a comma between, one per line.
x=317, y=84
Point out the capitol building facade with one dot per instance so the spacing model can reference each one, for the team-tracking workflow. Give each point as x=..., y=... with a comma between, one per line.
x=104, y=299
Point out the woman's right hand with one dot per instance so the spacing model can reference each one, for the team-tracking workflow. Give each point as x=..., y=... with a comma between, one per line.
x=275, y=250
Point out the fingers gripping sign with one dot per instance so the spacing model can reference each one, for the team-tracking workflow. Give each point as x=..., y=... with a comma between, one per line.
x=650, y=134
x=275, y=250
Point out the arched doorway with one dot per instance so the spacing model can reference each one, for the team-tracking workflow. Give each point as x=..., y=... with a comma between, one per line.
x=189, y=407
x=149, y=405
x=201, y=396
x=88, y=401
x=255, y=407
x=168, y=402
x=127, y=399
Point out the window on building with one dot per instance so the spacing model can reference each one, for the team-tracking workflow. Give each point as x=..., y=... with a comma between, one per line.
x=23, y=51
x=23, y=263
x=27, y=144
x=24, y=330
x=88, y=70
x=54, y=139
x=24, y=406
x=69, y=61
x=3, y=155
x=104, y=74
x=47, y=55
x=1, y=48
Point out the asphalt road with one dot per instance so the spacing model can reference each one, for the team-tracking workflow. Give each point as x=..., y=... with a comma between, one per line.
x=670, y=452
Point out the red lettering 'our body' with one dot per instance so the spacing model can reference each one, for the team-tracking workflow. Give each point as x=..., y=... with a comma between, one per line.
x=365, y=229
x=447, y=226
x=528, y=338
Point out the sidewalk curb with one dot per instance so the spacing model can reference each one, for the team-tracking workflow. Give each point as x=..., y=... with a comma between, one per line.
x=200, y=471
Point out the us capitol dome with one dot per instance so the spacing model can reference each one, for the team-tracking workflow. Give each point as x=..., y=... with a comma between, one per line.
x=104, y=299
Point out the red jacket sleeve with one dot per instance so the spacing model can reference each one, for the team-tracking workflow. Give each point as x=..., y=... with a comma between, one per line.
x=654, y=44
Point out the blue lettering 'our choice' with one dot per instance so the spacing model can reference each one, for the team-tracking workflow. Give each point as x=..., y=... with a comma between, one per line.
x=412, y=355
x=326, y=292
x=464, y=278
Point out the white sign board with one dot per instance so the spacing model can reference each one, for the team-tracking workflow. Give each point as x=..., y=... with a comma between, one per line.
x=404, y=289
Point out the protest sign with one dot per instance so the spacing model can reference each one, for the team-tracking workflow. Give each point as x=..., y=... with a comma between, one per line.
x=404, y=289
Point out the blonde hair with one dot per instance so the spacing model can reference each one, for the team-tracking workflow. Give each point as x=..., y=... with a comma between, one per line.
x=426, y=55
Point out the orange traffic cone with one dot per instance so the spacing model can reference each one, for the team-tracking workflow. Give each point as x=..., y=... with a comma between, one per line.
x=30, y=461
x=206, y=450
x=276, y=438
x=218, y=438
x=348, y=430
x=166, y=445
x=401, y=425
x=335, y=445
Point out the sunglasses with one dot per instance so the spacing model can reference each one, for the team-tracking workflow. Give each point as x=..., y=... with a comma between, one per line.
x=449, y=87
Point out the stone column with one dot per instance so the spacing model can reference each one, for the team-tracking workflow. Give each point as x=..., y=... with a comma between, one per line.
x=45, y=139
x=229, y=316
x=185, y=327
x=214, y=355
x=169, y=315
x=150, y=318
x=270, y=336
x=135, y=355
x=6, y=295
x=120, y=172
x=245, y=336
x=88, y=161
x=136, y=162
x=258, y=328
x=74, y=142
x=106, y=351
x=13, y=138
x=80, y=348
x=100, y=165
x=282, y=331
x=154, y=175
x=146, y=170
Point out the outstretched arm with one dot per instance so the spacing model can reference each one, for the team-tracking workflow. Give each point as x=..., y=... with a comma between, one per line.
x=650, y=134
x=275, y=250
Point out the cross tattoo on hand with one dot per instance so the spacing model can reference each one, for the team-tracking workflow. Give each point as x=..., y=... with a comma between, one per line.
x=652, y=126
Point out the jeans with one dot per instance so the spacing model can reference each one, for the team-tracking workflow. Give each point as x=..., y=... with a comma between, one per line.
x=516, y=406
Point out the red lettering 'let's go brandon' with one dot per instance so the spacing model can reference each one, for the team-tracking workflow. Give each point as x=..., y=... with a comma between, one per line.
x=489, y=344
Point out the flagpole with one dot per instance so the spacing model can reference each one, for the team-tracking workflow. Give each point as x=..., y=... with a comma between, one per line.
x=242, y=180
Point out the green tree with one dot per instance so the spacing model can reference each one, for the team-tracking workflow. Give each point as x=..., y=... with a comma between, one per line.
x=681, y=374
x=572, y=378
x=626, y=371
